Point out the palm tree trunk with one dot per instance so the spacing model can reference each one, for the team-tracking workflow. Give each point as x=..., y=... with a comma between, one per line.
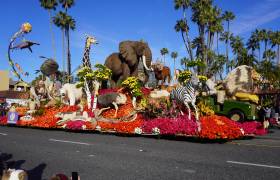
x=218, y=43
x=186, y=45
x=63, y=50
x=265, y=47
x=204, y=50
x=63, y=53
x=187, y=36
x=208, y=40
x=174, y=67
x=278, y=54
x=227, y=48
x=259, y=54
x=189, y=44
x=227, y=64
x=68, y=55
x=52, y=34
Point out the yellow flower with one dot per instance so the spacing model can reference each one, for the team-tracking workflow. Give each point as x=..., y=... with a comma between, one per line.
x=202, y=78
x=26, y=27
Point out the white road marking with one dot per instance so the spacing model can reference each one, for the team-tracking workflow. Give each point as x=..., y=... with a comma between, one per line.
x=3, y=134
x=189, y=171
x=71, y=142
x=253, y=164
x=257, y=145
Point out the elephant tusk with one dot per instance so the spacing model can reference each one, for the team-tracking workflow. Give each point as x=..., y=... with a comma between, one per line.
x=144, y=63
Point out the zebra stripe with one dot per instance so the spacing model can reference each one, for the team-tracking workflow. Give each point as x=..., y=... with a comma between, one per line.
x=184, y=94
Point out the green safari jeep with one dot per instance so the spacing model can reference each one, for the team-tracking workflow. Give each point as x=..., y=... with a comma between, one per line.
x=234, y=109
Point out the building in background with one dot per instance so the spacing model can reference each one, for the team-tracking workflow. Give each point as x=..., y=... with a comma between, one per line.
x=4, y=80
x=13, y=92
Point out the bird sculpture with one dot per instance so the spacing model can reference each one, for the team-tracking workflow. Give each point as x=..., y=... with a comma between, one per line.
x=25, y=44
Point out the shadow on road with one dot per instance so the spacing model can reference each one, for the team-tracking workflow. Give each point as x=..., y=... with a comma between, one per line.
x=7, y=162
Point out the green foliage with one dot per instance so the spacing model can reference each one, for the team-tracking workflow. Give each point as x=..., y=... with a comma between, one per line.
x=39, y=112
x=202, y=78
x=100, y=74
x=133, y=85
x=58, y=103
x=143, y=103
x=196, y=63
x=161, y=108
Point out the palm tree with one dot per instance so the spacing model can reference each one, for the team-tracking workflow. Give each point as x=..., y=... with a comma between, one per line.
x=275, y=40
x=60, y=21
x=50, y=5
x=66, y=4
x=264, y=36
x=70, y=24
x=238, y=48
x=219, y=29
x=184, y=61
x=228, y=16
x=269, y=55
x=253, y=43
x=217, y=67
x=226, y=37
x=163, y=52
x=231, y=64
x=201, y=13
x=214, y=25
x=257, y=34
x=182, y=25
x=174, y=55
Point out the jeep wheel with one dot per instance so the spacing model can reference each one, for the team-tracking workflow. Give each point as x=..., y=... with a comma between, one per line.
x=236, y=115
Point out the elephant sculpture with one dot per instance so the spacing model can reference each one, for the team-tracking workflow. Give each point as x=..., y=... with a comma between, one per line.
x=162, y=73
x=133, y=59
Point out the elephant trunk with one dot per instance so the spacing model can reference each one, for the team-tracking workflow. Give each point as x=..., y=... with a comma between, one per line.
x=145, y=64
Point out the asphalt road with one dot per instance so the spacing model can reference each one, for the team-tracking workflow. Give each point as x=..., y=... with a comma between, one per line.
x=97, y=156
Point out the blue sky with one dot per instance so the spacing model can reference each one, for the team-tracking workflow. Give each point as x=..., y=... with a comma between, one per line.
x=112, y=21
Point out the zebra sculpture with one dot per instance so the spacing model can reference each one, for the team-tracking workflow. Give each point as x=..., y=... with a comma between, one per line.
x=187, y=94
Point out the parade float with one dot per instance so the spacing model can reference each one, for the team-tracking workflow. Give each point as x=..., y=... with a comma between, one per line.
x=116, y=98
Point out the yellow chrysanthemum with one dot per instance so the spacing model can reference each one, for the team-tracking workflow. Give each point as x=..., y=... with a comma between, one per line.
x=202, y=78
x=26, y=27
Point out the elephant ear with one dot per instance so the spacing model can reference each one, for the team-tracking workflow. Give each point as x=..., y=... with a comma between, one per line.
x=128, y=53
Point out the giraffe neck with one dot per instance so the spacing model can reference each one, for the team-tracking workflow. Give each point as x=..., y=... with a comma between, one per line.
x=86, y=59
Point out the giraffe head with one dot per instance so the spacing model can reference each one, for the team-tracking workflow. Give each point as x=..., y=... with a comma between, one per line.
x=90, y=40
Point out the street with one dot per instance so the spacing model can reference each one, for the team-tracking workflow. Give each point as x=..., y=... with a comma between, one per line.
x=98, y=156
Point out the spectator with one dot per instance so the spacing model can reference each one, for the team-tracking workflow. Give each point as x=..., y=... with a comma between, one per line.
x=62, y=177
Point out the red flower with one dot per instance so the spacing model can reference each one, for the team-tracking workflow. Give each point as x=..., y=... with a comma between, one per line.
x=219, y=127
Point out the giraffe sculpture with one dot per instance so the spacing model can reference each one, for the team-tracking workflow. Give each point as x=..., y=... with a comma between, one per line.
x=90, y=85
x=89, y=41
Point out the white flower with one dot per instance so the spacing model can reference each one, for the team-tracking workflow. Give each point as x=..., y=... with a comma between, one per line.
x=242, y=131
x=138, y=130
x=64, y=126
x=98, y=128
x=84, y=127
x=156, y=130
